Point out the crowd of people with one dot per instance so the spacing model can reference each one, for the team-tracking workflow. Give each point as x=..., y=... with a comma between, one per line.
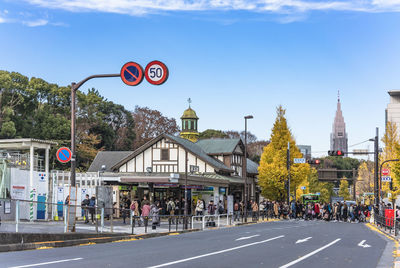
x=339, y=211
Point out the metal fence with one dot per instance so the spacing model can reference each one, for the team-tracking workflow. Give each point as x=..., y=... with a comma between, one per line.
x=390, y=224
x=16, y=215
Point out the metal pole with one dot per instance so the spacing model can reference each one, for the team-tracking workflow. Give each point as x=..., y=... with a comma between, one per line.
x=17, y=216
x=354, y=184
x=186, y=197
x=74, y=88
x=376, y=151
x=288, y=169
x=244, y=172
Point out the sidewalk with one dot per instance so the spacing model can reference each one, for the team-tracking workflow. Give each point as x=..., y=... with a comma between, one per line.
x=390, y=235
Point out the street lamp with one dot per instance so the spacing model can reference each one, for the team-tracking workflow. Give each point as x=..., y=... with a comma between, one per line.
x=244, y=172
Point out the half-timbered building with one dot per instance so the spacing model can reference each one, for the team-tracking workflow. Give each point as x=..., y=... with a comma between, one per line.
x=164, y=166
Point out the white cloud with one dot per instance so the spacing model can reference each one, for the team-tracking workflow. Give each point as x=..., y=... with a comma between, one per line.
x=35, y=23
x=140, y=7
x=2, y=20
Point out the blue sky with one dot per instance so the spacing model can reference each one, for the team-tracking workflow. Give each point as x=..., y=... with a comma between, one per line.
x=232, y=58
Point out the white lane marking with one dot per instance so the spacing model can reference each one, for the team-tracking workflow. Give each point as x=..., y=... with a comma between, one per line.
x=361, y=244
x=215, y=253
x=246, y=237
x=45, y=263
x=310, y=254
x=303, y=240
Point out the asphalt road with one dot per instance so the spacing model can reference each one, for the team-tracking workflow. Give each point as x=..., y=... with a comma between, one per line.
x=270, y=244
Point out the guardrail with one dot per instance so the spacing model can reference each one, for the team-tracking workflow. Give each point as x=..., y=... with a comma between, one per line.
x=388, y=223
x=102, y=219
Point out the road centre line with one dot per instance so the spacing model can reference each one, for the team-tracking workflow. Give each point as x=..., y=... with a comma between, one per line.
x=310, y=254
x=215, y=253
x=246, y=237
x=46, y=263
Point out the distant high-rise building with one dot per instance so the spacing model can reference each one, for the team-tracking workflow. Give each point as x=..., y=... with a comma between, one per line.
x=339, y=135
x=393, y=109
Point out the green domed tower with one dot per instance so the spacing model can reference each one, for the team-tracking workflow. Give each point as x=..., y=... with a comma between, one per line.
x=189, y=124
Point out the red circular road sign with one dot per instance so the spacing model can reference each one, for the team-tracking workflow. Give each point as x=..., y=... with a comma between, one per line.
x=156, y=72
x=64, y=155
x=132, y=73
x=385, y=172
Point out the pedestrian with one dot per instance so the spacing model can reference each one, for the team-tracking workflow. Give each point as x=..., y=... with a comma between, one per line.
x=276, y=209
x=220, y=207
x=171, y=210
x=155, y=217
x=199, y=208
x=211, y=211
x=135, y=210
x=85, y=208
x=92, y=207
x=236, y=211
x=254, y=209
x=145, y=213
x=177, y=209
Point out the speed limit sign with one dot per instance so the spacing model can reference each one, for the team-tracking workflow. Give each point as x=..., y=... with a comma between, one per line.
x=156, y=72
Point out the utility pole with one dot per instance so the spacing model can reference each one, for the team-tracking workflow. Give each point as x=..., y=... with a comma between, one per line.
x=288, y=169
x=244, y=171
x=376, y=172
x=186, y=197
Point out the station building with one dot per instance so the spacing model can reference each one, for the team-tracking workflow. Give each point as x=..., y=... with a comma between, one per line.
x=212, y=169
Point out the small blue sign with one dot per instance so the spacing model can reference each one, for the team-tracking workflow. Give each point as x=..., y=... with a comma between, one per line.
x=64, y=154
x=318, y=193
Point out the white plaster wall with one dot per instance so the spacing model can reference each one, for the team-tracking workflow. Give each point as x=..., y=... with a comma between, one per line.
x=139, y=163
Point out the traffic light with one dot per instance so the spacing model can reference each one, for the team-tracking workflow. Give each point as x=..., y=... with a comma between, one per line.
x=314, y=162
x=336, y=153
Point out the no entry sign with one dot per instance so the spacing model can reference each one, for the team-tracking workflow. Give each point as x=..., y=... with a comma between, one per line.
x=156, y=72
x=132, y=73
x=385, y=172
x=64, y=155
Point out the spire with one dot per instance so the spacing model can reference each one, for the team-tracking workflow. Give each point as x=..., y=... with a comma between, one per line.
x=339, y=135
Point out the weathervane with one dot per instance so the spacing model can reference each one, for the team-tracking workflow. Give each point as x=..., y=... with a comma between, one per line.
x=189, y=101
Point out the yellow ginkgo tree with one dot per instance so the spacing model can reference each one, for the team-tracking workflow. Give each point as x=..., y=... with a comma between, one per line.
x=273, y=169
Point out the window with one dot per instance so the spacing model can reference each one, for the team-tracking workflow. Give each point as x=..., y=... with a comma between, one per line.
x=164, y=154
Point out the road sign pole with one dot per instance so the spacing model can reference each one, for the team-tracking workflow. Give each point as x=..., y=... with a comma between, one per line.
x=288, y=169
x=376, y=175
x=74, y=88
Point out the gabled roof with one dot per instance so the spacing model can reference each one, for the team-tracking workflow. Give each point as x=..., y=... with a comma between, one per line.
x=252, y=167
x=188, y=145
x=107, y=158
x=218, y=146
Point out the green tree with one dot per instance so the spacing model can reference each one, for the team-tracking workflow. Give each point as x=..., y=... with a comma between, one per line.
x=34, y=108
x=212, y=133
x=272, y=170
x=316, y=186
x=344, y=189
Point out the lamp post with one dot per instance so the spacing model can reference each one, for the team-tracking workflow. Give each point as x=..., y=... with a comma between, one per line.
x=376, y=169
x=244, y=172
